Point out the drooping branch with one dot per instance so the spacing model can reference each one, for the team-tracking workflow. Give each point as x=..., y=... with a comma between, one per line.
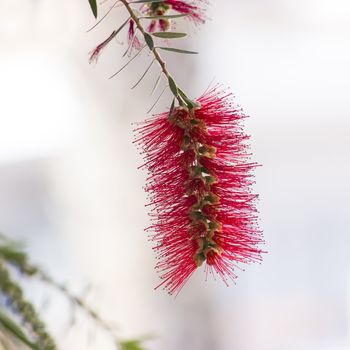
x=178, y=93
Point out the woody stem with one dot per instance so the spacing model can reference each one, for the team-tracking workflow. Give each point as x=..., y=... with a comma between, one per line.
x=154, y=50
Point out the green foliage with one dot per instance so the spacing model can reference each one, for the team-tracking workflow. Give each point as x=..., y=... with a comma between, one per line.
x=24, y=310
x=15, y=331
x=127, y=63
x=189, y=103
x=172, y=49
x=93, y=6
x=144, y=74
x=144, y=1
x=156, y=83
x=169, y=35
x=173, y=86
x=165, y=16
x=149, y=41
x=10, y=251
x=133, y=344
x=19, y=319
x=172, y=107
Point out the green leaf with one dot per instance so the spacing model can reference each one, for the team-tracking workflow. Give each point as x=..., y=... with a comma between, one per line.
x=157, y=100
x=103, y=17
x=127, y=63
x=156, y=83
x=122, y=26
x=172, y=49
x=12, y=252
x=169, y=35
x=133, y=344
x=172, y=107
x=144, y=1
x=15, y=331
x=192, y=104
x=165, y=16
x=149, y=41
x=173, y=86
x=182, y=94
x=144, y=74
x=189, y=103
x=93, y=6
x=117, y=31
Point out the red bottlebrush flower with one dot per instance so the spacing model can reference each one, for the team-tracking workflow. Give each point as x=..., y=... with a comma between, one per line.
x=199, y=186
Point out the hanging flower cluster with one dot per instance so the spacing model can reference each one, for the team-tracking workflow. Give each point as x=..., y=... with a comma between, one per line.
x=199, y=186
x=197, y=157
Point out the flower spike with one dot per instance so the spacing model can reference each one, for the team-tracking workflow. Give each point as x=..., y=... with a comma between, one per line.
x=199, y=185
x=197, y=157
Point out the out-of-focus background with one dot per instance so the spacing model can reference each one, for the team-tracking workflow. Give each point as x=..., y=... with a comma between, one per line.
x=69, y=186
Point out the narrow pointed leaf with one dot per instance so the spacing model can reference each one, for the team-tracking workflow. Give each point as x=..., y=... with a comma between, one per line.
x=93, y=6
x=172, y=107
x=156, y=83
x=192, y=104
x=173, y=86
x=182, y=94
x=144, y=1
x=143, y=75
x=189, y=103
x=127, y=63
x=117, y=31
x=172, y=49
x=123, y=25
x=16, y=331
x=149, y=41
x=96, y=52
x=161, y=94
x=169, y=35
x=103, y=17
x=165, y=16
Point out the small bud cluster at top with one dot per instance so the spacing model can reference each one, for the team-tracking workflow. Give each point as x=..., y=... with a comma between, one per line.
x=193, y=10
x=158, y=9
x=160, y=14
x=200, y=179
x=162, y=9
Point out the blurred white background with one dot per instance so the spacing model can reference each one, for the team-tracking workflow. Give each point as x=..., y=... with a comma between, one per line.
x=69, y=186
